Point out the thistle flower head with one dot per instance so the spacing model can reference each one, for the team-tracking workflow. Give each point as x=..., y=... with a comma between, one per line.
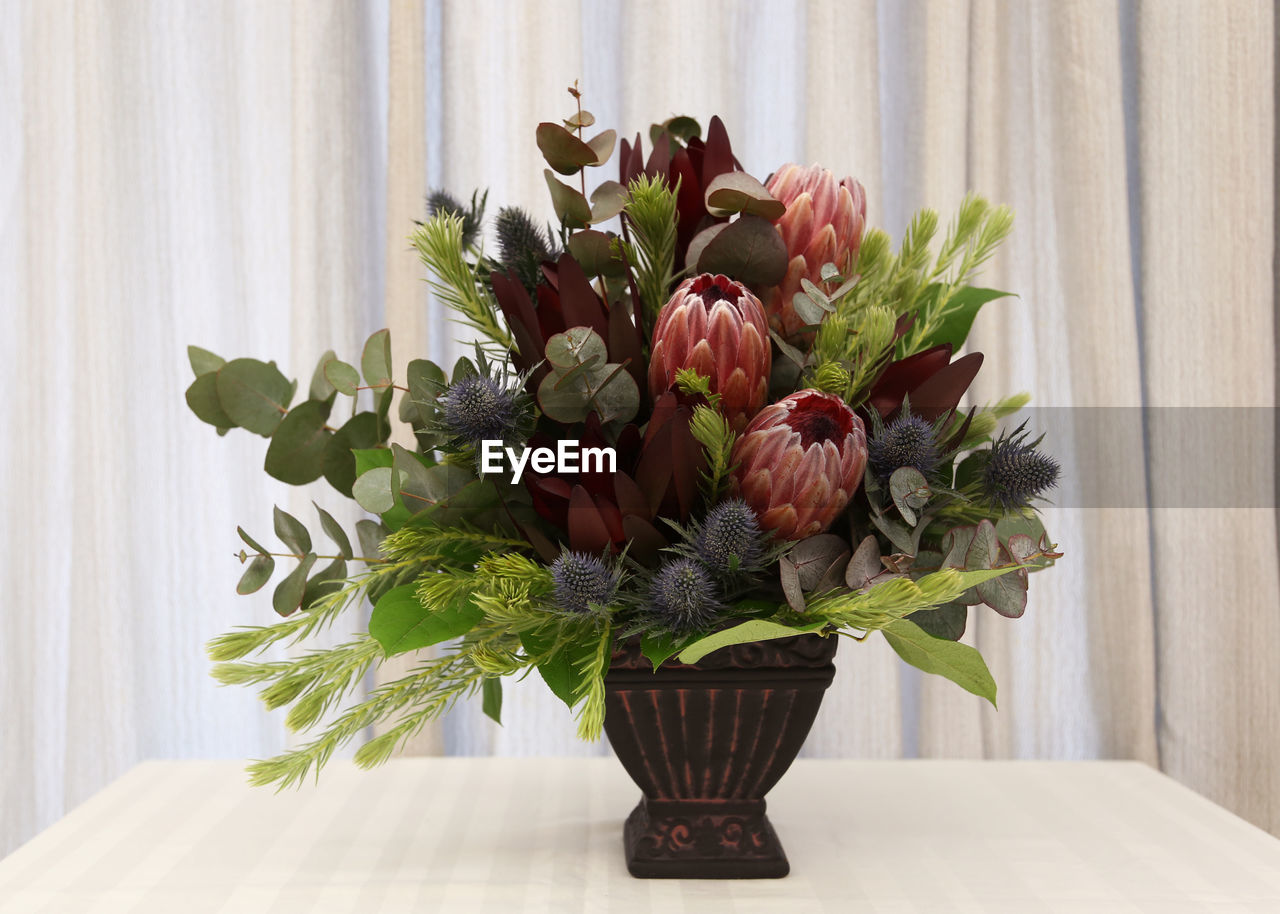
x=1016, y=473
x=730, y=538
x=441, y=201
x=478, y=408
x=908, y=441
x=522, y=244
x=684, y=596
x=581, y=581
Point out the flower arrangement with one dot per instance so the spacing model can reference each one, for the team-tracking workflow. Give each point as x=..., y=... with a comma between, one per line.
x=764, y=397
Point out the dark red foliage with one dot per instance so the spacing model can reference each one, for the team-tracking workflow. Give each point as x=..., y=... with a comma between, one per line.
x=657, y=477
x=694, y=165
x=567, y=299
x=933, y=382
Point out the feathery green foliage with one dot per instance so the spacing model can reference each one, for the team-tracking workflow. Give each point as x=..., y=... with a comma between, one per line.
x=439, y=245
x=717, y=438
x=895, y=599
x=651, y=212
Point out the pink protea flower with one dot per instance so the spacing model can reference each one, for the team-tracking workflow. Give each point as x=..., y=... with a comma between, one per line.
x=716, y=327
x=799, y=462
x=823, y=224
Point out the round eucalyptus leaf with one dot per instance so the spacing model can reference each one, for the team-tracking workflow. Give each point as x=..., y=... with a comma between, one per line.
x=321, y=387
x=202, y=397
x=289, y=592
x=342, y=376
x=375, y=360
x=749, y=250
x=562, y=149
x=334, y=531
x=607, y=201
x=581, y=119
x=738, y=192
x=257, y=574
x=203, y=361
x=576, y=346
x=254, y=395
x=292, y=532
x=571, y=207
x=602, y=145
x=359, y=432
x=372, y=490
x=297, y=451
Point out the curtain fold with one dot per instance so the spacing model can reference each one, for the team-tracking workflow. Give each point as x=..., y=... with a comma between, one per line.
x=244, y=177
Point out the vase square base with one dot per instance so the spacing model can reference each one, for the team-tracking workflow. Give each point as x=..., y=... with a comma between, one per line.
x=676, y=839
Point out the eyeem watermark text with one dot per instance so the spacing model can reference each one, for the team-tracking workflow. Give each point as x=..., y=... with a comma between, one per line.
x=566, y=457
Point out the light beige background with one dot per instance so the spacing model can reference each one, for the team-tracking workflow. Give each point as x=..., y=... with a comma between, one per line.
x=243, y=175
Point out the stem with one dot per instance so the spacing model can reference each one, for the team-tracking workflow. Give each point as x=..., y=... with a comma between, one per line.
x=244, y=557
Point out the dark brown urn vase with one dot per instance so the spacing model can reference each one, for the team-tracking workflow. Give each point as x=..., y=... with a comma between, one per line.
x=705, y=742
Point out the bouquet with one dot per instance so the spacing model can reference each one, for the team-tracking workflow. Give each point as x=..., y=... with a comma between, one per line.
x=701, y=411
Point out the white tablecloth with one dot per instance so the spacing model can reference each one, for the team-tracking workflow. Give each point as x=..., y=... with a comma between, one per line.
x=508, y=835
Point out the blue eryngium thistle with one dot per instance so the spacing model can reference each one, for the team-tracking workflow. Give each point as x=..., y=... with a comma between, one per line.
x=730, y=538
x=684, y=596
x=1017, y=473
x=582, y=581
x=907, y=441
x=478, y=408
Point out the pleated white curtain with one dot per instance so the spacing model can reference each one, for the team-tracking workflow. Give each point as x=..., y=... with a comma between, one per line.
x=243, y=176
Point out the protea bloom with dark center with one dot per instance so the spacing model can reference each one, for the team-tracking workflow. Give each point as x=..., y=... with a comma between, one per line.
x=799, y=462
x=823, y=224
x=582, y=581
x=907, y=441
x=683, y=595
x=1016, y=473
x=717, y=328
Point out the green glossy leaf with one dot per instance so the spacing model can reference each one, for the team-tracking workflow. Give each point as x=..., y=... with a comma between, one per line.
x=958, y=662
x=375, y=360
x=401, y=623
x=340, y=465
x=292, y=532
x=202, y=397
x=563, y=150
x=659, y=646
x=321, y=387
x=289, y=592
x=368, y=458
x=372, y=490
x=947, y=621
x=254, y=395
x=961, y=309
x=203, y=361
x=297, y=451
x=752, y=630
x=570, y=206
x=257, y=574
x=749, y=250
x=334, y=531
x=562, y=669
x=738, y=192
x=344, y=378
x=681, y=128
x=491, y=698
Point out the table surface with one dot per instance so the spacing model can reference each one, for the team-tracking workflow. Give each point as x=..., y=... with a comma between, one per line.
x=509, y=834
